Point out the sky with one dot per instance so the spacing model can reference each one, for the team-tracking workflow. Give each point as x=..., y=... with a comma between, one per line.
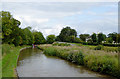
x=51, y=17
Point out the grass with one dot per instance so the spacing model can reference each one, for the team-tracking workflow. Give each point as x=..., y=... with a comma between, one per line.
x=9, y=59
x=0, y=61
x=96, y=60
x=60, y=44
x=105, y=48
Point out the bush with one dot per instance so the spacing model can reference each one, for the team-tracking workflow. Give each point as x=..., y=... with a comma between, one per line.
x=99, y=47
x=78, y=58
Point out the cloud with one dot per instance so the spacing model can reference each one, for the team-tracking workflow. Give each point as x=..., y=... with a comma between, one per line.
x=53, y=30
x=50, y=18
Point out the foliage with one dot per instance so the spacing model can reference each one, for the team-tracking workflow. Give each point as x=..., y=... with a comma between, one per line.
x=109, y=40
x=101, y=37
x=10, y=28
x=99, y=47
x=27, y=36
x=113, y=36
x=51, y=39
x=94, y=37
x=84, y=37
x=39, y=38
x=13, y=34
x=66, y=33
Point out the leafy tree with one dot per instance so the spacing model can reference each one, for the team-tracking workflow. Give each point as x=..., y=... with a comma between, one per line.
x=51, y=39
x=94, y=37
x=83, y=37
x=113, y=36
x=118, y=37
x=57, y=38
x=39, y=38
x=101, y=37
x=10, y=28
x=109, y=40
x=29, y=38
x=66, y=33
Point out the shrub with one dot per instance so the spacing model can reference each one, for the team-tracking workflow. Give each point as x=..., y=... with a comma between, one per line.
x=78, y=58
x=99, y=47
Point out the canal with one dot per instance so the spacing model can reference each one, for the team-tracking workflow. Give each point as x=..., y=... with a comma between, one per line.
x=33, y=63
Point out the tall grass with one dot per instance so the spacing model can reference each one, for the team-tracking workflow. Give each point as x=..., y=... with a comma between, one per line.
x=95, y=60
x=104, y=48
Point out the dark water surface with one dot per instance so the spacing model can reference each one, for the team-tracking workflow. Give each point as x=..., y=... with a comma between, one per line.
x=33, y=63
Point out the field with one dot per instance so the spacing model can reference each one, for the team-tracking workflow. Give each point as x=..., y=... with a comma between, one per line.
x=9, y=59
x=100, y=61
x=105, y=48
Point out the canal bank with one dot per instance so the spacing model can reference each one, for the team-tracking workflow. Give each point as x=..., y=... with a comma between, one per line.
x=98, y=61
x=9, y=59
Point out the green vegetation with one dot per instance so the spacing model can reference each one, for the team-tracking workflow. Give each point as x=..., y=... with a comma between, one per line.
x=95, y=60
x=0, y=61
x=13, y=34
x=84, y=37
x=104, y=48
x=51, y=39
x=67, y=35
x=99, y=47
x=60, y=44
x=9, y=59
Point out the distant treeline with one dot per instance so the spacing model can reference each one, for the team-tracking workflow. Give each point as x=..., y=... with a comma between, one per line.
x=70, y=35
x=13, y=34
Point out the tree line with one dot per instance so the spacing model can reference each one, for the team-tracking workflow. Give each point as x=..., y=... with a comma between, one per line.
x=13, y=34
x=70, y=35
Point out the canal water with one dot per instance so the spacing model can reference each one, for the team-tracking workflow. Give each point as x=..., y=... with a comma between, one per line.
x=33, y=63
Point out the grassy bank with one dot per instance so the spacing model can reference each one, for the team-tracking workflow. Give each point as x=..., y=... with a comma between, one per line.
x=9, y=59
x=105, y=48
x=95, y=60
x=0, y=62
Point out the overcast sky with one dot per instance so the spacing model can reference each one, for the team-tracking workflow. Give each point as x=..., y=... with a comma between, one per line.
x=51, y=17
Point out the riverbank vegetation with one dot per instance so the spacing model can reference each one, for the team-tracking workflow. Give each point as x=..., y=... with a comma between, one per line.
x=9, y=59
x=104, y=48
x=95, y=60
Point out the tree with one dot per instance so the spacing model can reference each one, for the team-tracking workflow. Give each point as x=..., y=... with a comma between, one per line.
x=38, y=38
x=10, y=29
x=109, y=40
x=66, y=33
x=118, y=37
x=113, y=36
x=94, y=37
x=51, y=39
x=83, y=37
x=101, y=37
